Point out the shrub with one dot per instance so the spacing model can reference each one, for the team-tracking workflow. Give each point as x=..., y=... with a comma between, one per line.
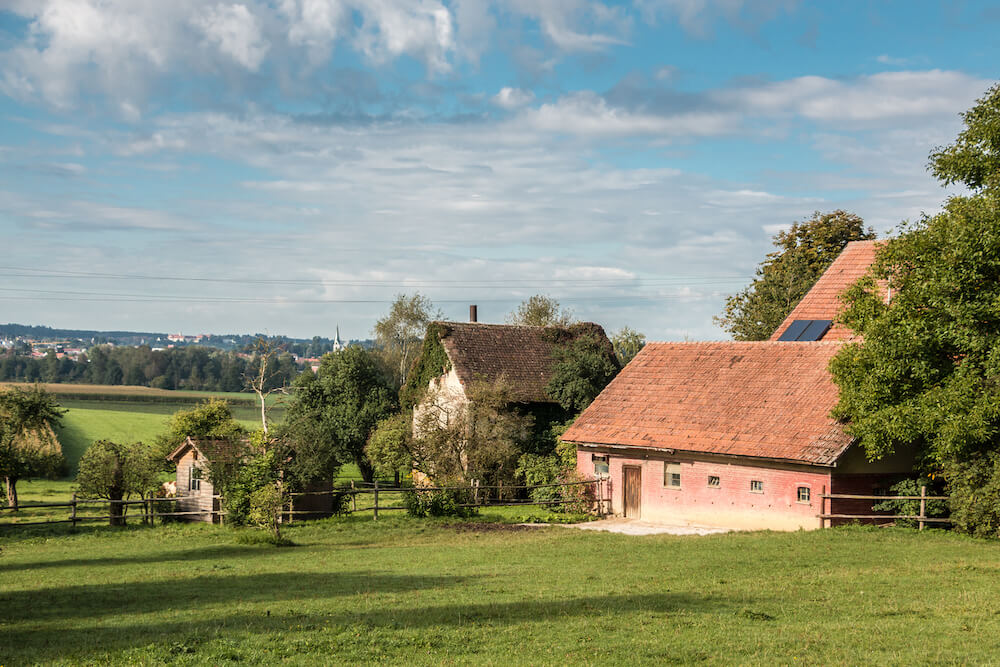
x=974, y=487
x=438, y=502
x=911, y=487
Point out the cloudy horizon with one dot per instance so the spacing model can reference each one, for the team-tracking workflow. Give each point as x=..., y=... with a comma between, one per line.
x=289, y=166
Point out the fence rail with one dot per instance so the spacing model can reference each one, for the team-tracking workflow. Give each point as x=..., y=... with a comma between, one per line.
x=826, y=499
x=383, y=499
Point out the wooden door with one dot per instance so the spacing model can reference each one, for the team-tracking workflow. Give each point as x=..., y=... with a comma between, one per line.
x=632, y=491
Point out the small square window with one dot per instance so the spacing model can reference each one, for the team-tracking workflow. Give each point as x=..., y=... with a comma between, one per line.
x=804, y=494
x=756, y=486
x=672, y=475
x=600, y=464
x=714, y=482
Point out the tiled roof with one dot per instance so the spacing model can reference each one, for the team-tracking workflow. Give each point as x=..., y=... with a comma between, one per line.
x=822, y=302
x=755, y=399
x=523, y=355
x=212, y=449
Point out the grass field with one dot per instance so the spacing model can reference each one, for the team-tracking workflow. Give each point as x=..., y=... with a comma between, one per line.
x=130, y=414
x=411, y=591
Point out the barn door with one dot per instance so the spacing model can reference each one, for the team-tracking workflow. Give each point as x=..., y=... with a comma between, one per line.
x=632, y=491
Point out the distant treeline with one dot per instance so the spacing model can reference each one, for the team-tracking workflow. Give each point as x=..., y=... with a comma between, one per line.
x=194, y=368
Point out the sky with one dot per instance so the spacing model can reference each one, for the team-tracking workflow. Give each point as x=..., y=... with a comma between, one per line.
x=289, y=166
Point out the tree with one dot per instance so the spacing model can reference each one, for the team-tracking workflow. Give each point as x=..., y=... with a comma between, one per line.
x=926, y=375
x=116, y=472
x=541, y=311
x=400, y=334
x=479, y=439
x=974, y=158
x=28, y=446
x=805, y=251
x=211, y=419
x=583, y=368
x=264, y=377
x=333, y=413
x=627, y=343
x=388, y=446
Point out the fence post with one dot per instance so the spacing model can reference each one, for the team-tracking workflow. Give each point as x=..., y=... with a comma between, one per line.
x=72, y=515
x=923, y=506
x=376, y=500
x=291, y=508
x=354, y=498
x=822, y=508
x=475, y=492
x=599, y=492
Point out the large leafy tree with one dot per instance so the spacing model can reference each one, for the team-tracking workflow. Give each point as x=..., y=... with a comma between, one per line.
x=627, y=343
x=334, y=411
x=804, y=251
x=927, y=375
x=211, y=419
x=400, y=334
x=116, y=472
x=28, y=447
x=583, y=367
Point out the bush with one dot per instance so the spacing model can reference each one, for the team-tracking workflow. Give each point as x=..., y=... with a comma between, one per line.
x=974, y=487
x=911, y=487
x=439, y=502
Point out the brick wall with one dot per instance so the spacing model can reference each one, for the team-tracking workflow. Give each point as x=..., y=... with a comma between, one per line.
x=731, y=504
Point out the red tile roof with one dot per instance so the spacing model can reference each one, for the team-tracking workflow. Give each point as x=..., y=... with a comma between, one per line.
x=524, y=355
x=756, y=399
x=822, y=302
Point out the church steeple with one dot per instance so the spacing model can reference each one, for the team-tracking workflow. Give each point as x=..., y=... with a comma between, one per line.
x=338, y=345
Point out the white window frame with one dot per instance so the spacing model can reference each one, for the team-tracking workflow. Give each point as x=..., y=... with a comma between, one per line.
x=194, y=482
x=670, y=469
x=718, y=482
x=759, y=482
x=798, y=494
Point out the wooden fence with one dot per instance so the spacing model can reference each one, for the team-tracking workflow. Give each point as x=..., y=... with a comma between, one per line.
x=147, y=505
x=826, y=499
x=375, y=498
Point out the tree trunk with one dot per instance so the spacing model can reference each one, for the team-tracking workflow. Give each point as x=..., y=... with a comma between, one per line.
x=115, y=509
x=12, y=493
x=365, y=466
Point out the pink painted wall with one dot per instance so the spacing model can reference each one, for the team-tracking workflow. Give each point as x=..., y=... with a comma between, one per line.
x=731, y=505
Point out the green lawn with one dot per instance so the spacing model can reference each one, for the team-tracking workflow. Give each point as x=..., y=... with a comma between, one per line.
x=125, y=423
x=410, y=591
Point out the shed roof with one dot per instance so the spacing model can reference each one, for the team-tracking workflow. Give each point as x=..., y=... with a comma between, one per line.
x=213, y=450
x=521, y=354
x=755, y=399
x=822, y=302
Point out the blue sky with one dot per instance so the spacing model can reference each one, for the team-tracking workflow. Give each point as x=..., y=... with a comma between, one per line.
x=288, y=166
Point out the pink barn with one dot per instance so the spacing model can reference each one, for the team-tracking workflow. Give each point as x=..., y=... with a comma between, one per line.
x=735, y=434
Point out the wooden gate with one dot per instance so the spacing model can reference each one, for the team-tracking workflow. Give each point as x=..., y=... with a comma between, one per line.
x=632, y=491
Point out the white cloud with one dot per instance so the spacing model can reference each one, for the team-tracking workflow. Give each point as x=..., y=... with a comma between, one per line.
x=511, y=98
x=392, y=28
x=236, y=32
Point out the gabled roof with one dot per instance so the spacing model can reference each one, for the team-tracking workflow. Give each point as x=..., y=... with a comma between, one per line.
x=523, y=355
x=756, y=399
x=212, y=450
x=822, y=302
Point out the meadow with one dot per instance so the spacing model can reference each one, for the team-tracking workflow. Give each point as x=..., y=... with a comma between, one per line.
x=422, y=591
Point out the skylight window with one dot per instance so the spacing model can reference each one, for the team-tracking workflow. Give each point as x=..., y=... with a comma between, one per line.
x=806, y=330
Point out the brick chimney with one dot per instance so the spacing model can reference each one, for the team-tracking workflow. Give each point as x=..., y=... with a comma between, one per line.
x=473, y=313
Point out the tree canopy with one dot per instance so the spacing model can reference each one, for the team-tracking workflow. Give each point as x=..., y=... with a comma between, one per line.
x=804, y=251
x=541, y=311
x=28, y=446
x=974, y=158
x=627, y=343
x=115, y=471
x=400, y=333
x=334, y=411
x=926, y=376
x=583, y=367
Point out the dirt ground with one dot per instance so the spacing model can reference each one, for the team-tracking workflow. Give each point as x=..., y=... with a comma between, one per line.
x=636, y=527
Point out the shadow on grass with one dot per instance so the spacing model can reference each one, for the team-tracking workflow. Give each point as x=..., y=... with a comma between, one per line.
x=213, y=552
x=46, y=643
x=212, y=588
